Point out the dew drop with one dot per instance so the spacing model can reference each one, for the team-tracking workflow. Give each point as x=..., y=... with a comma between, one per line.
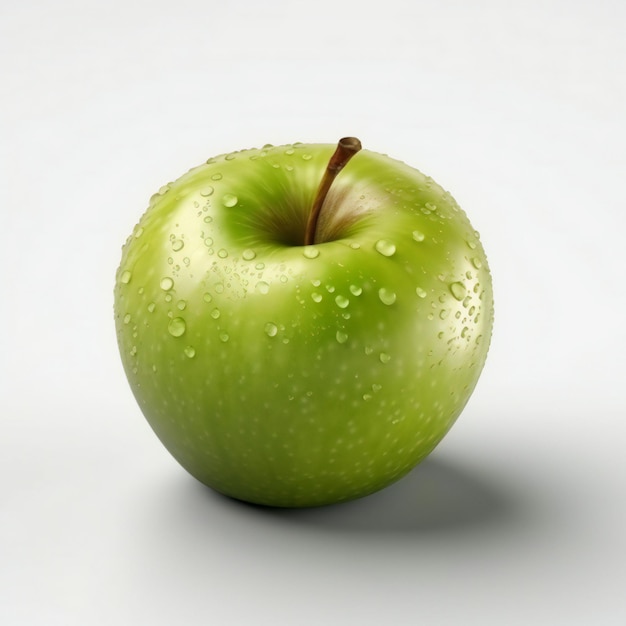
x=306, y=157
x=222, y=254
x=127, y=318
x=316, y=297
x=386, y=296
x=207, y=297
x=376, y=387
x=263, y=287
x=229, y=200
x=215, y=313
x=477, y=263
x=341, y=336
x=471, y=244
x=178, y=244
x=166, y=283
x=367, y=396
x=384, y=247
x=224, y=337
x=458, y=290
x=177, y=327
x=229, y=157
x=181, y=305
x=418, y=236
x=384, y=357
x=207, y=191
x=125, y=277
x=216, y=177
x=151, y=307
x=133, y=352
x=248, y=254
x=190, y=352
x=310, y=252
x=208, y=219
x=355, y=290
x=138, y=232
x=208, y=242
x=443, y=314
x=420, y=292
x=271, y=330
x=342, y=302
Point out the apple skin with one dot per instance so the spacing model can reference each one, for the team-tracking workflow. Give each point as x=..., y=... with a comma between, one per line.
x=291, y=375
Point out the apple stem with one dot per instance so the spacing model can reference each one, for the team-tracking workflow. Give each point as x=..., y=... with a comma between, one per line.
x=346, y=149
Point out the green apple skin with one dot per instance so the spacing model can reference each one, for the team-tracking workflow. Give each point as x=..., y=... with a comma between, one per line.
x=291, y=375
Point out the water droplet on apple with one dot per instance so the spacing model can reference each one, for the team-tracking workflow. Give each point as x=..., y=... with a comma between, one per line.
x=420, y=292
x=222, y=254
x=208, y=219
x=263, y=287
x=384, y=357
x=138, y=232
x=166, y=283
x=479, y=339
x=217, y=176
x=418, y=236
x=289, y=151
x=367, y=396
x=190, y=352
x=464, y=332
x=133, y=352
x=163, y=190
x=229, y=200
x=215, y=313
x=208, y=242
x=271, y=330
x=229, y=157
x=341, y=336
x=444, y=313
x=177, y=244
x=181, y=305
x=224, y=337
x=127, y=318
x=386, y=248
x=342, y=302
x=207, y=297
x=151, y=307
x=310, y=252
x=386, y=296
x=477, y=263
x=207, y=191
x=177, y=327
x=248, y=254
x=316, y=297
x=306, y=157
x=125, y=277
x=376, y=387
x=355, y=246
x=471, y=244
x=458, y=290
x=355, y=290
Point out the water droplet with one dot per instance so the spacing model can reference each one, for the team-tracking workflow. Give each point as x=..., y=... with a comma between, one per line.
x=316, y=297
x=163, y=190
x=216, y=176
x=138, y=232
x=477, y=263
x=464, y=332
x=207, y=297
x=229, y=157
x=418, y=236
x=367, y=396
x=341, y=336
x=471, y=244
x=127, y=318
x=222, y=254
x=133, y=352
x=229, y=200
x=444, y=313
x=125, y=277
x=208, y=242
x=177, y=327
x=215, y=313
x=479, y=339
x=306, y=157
x=458, y=290
x=207, y=191
x=355, y=290
x=386, y=248
x=190, y=352
x=342, y=302
x=289, y=151
x=166, y=283
x=181, y=305
x=310, y=252
x=208, y=219
x=386, y=296
x=369, y=350
x=384, y=357
x=263, y=287
x=355, y=246
x=248, y=254
x=177, y=244
x=376, y=387
x=224, y=337
x=271, y=330
x=151, y=307
x=420, y=292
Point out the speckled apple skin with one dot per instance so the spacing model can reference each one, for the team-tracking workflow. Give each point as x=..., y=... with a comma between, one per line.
x=292, y=375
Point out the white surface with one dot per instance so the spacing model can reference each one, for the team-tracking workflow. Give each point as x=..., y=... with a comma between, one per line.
x=518, y=108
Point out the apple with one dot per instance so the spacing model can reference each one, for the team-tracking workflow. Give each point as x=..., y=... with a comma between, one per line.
x=302, y=324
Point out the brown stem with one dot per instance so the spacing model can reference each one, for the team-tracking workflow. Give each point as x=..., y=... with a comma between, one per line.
x=346, y=149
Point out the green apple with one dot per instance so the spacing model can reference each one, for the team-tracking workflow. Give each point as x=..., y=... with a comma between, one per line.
x=297, y=335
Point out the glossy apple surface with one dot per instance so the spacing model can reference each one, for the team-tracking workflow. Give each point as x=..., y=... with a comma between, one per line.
x=294, y=375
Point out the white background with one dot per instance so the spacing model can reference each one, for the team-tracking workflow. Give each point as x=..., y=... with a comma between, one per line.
x=518, y=108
